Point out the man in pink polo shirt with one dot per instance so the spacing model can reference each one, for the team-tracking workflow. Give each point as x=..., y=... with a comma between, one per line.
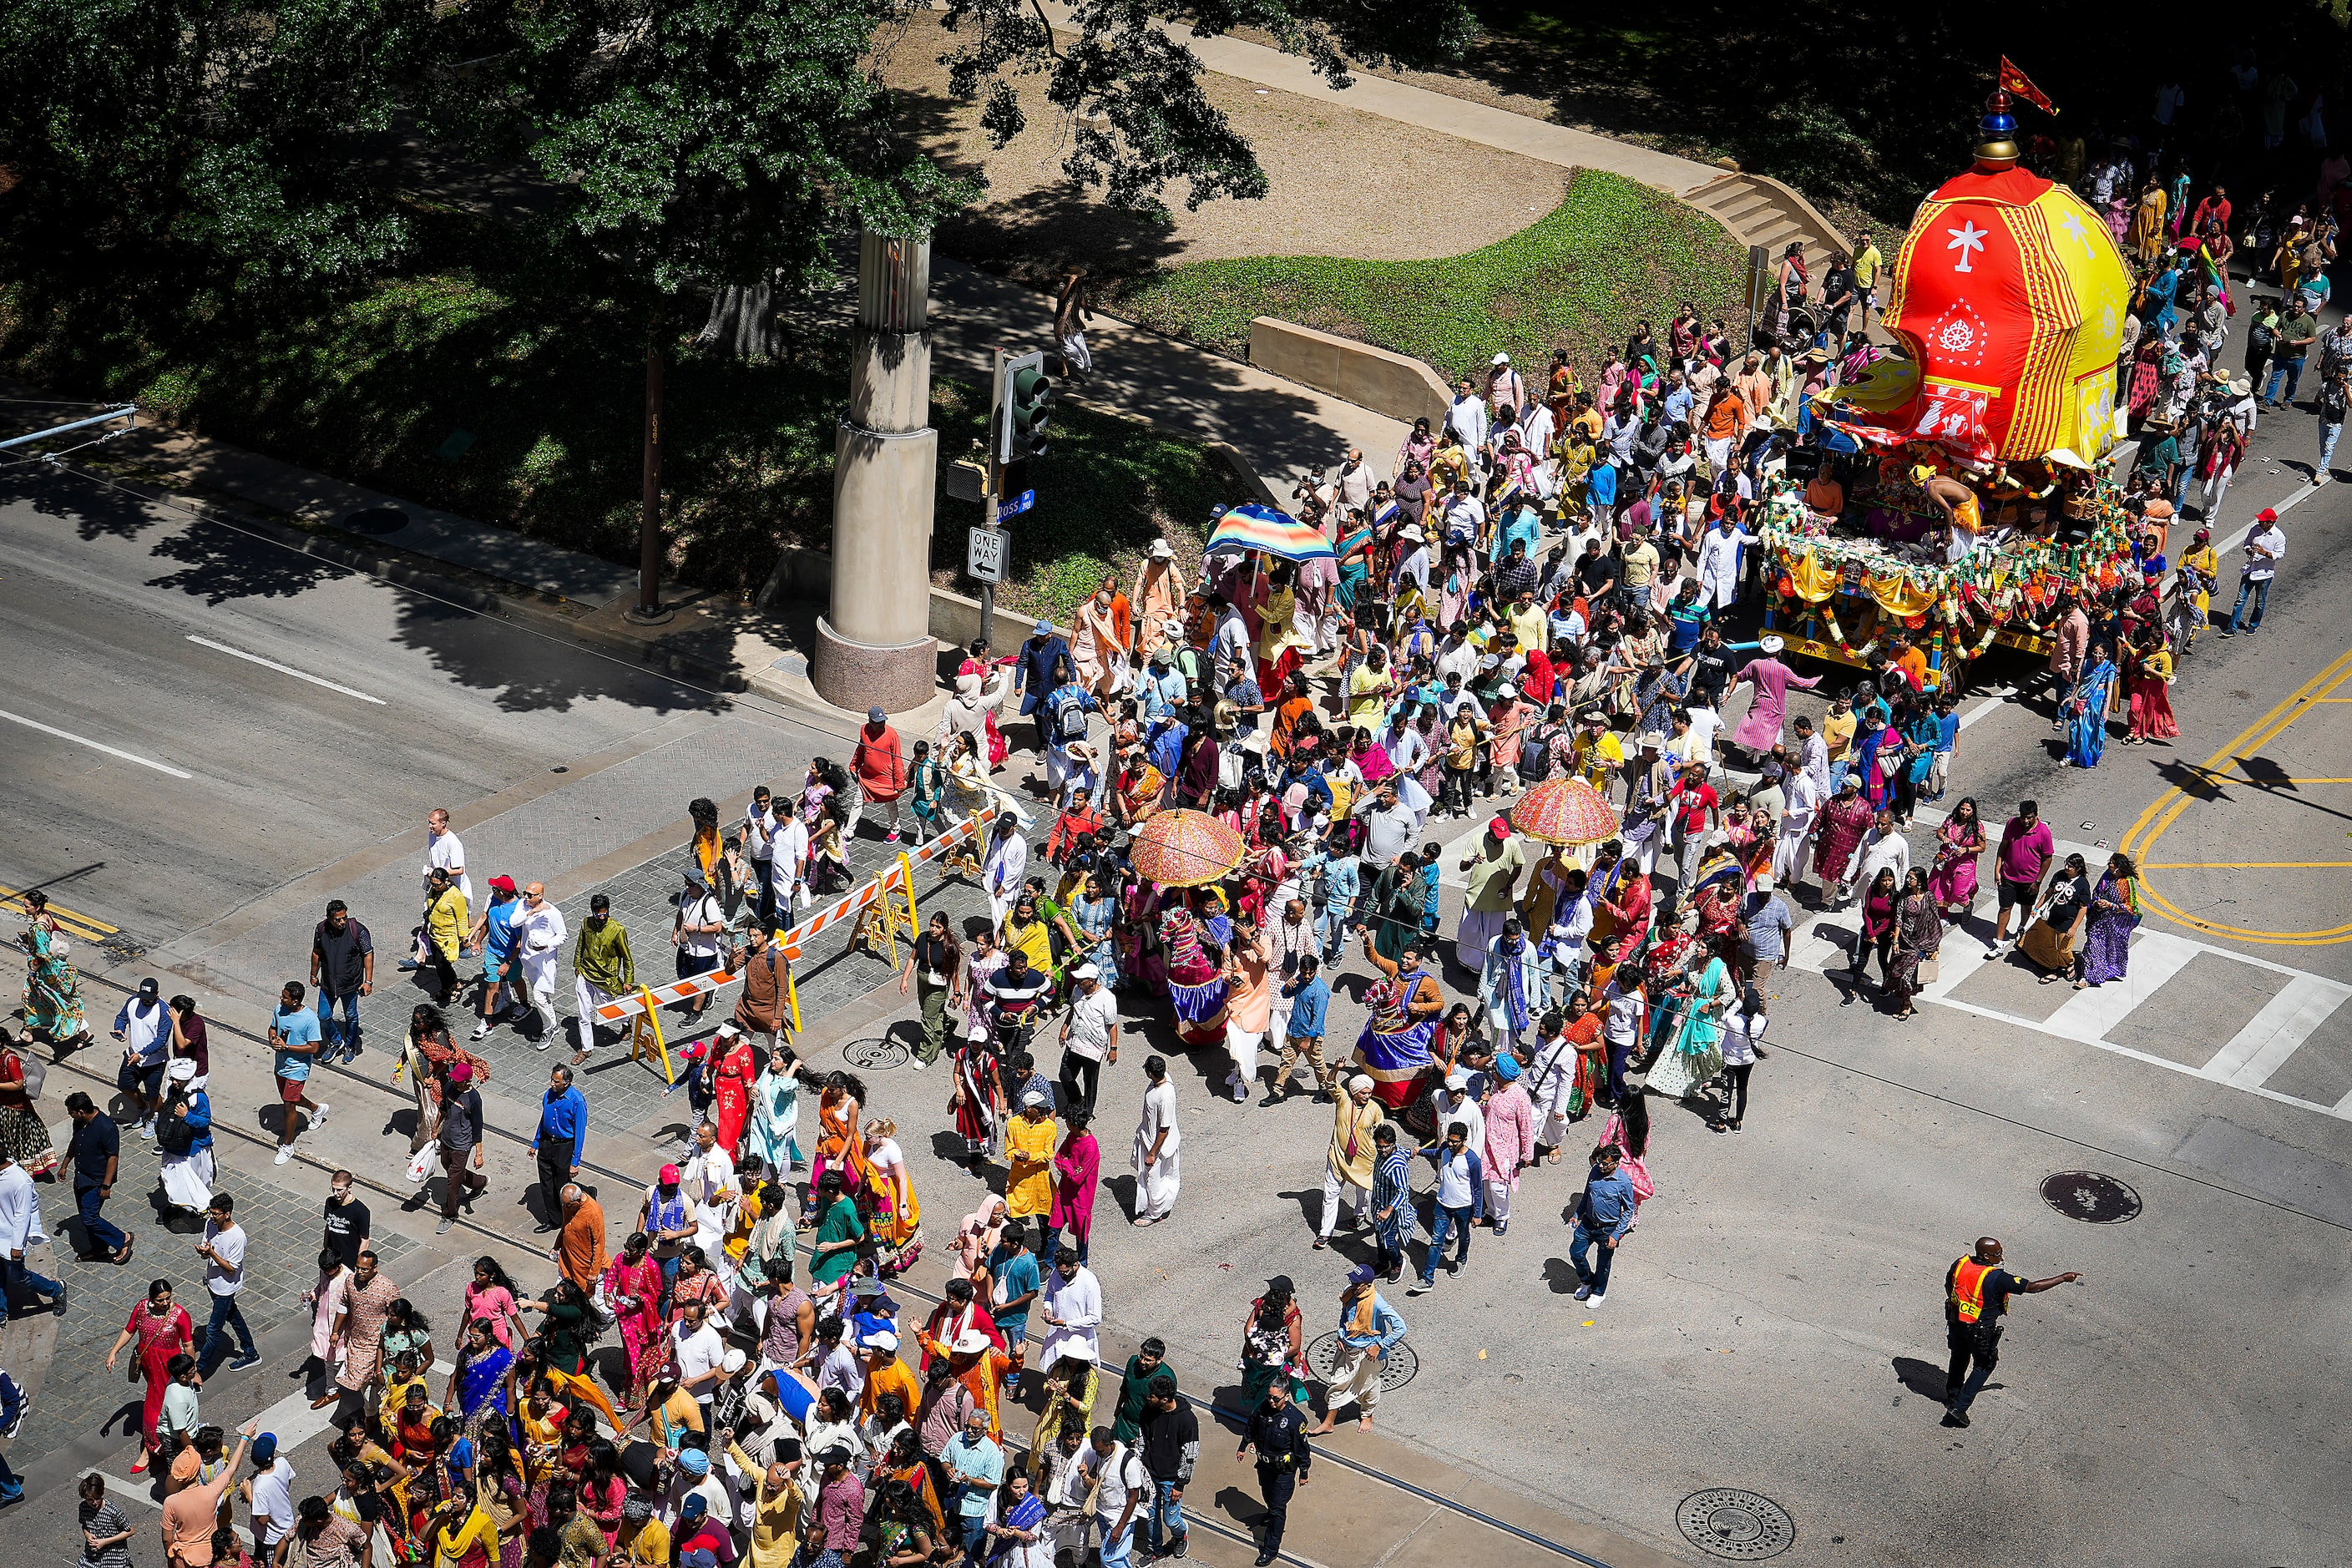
x=2026, y=848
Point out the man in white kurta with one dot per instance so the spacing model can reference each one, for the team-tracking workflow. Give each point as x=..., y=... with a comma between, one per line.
x=1718, y=562
x=1070, y=1305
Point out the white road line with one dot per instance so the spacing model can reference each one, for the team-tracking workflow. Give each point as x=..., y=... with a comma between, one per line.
x=2087, y=1016
x=1993, y=699
x=283, y=668
x=2263, y=1046
x=93, y=745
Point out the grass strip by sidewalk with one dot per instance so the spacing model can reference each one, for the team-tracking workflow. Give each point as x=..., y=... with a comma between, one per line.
x=1613, y=252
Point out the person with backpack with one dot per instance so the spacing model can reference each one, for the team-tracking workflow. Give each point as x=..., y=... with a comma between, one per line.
x=183, y=1136
x=1062, y=722
x=695, y=933
x=878, y=774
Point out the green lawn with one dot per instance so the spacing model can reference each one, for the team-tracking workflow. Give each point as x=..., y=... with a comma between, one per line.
x=1611, y=253
x=549, y=381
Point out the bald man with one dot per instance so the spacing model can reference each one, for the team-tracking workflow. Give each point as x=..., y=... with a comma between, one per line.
x=1976, y=1292
x=540, y=933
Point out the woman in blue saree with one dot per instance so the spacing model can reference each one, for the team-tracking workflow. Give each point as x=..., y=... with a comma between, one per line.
x=2087, y=710
x=478, y=1388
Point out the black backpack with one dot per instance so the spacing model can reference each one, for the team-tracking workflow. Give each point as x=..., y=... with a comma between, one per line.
x=172, y=1134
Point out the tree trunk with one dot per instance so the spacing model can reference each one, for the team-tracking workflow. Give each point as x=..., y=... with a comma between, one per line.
x=650, y=550
x=743, y=322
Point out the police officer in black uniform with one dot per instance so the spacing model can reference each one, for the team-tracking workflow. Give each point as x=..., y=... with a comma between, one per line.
x=1976, y=1292
x=1279, y=1433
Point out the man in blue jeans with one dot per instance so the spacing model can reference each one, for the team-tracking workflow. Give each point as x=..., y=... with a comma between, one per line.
x=342, y=970
x=223, y=1250
x=1461, y=1202
x=2296, y=334
x=1604, y=1213
x=2265, y=543
x=1170, y=1437
x=20, y=1229
x=95, y=1152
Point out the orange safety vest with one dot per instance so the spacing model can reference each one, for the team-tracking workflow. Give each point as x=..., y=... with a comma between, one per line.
x=1968, y=1289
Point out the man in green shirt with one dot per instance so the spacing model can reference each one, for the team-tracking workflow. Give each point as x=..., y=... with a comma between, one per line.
x=834, y=1251
x=1866, y=263
x=1494, y=868
x=602, y=969
x=2159, y=461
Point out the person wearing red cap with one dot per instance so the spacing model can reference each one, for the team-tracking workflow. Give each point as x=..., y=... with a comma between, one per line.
x=2265, y=543
x=461, y=1141
x=1494, y=869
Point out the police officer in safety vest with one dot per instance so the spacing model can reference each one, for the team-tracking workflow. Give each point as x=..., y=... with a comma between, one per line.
x=1976, y=1292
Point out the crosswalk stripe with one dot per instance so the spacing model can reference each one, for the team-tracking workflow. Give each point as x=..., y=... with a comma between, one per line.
x=2286, y=1020
x=2087, y=1016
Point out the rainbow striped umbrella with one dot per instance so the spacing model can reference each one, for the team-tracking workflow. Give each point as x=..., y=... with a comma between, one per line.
x=1270, y=532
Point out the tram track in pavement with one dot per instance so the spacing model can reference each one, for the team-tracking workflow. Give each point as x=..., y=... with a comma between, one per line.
x=1229, y=1418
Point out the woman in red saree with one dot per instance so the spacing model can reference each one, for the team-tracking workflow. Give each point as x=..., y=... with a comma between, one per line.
x=732, y=1074
x=164, y=1329
x=633, y=1285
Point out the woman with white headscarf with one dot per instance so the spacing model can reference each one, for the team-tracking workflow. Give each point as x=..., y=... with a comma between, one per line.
x=187, y=1170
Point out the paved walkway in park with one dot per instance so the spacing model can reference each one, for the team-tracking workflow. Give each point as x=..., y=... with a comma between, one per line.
x=1458, y=117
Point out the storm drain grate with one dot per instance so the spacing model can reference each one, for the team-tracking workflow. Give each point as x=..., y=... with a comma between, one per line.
x=1744, y=1526
x=1323, y=1360
x=2090, y=1197
x=874, y=1055
x=376, y=521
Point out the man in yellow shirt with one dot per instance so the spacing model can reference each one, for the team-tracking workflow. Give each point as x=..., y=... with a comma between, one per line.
x=1595, y=755
x=886, y=1374
x=1369, y=689
x=1866, y=263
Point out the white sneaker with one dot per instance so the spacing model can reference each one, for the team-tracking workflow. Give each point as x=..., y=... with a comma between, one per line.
x=321, y=1119
x=147, y=1129
x=481, y=1031
x=285, y=1154
x=1598, y=1296
x=919, y=1064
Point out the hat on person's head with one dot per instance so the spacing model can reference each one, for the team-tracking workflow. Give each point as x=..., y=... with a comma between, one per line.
x=461, y=1072
x=1361, y=1081
x=1652, y=741
x=700, y=1556
x=727, y=1031
x=1851, y=780
x=1771, y=642
x=695, y=878
x=1077, y=1350
x=1507, y=1067
x=695, y=1505
x=1362, y=1274
x=838, y=1454
x=1500, y=826
x=2240, y=386
x=966, y=686
x=1043, y=629
x=2266, y=515
x=1162, y=550
x=182, y=1070
x=1034, y=1097
x=867, y=1286
x=881, y=1340
x=1760, y=883
x=1411, y=531
x=1085, y=971
x=732, y=1363
x=972, y=1341
x=876, y=716
x=149, y=989
x=671, y=1175
x=693, y=1461
x=265, y=1449
x=503, y=884
x=1499, y=359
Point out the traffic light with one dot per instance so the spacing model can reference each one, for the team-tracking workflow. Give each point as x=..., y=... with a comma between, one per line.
x=1024, y=402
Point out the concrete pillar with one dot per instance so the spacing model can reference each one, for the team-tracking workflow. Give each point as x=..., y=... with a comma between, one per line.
x=874, y=646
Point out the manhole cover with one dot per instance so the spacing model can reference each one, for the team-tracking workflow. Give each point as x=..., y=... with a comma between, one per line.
x=874, y=1055
x=1737, y=1524
x=376, y=521
x=1323, y=1355
x=2090, y=1197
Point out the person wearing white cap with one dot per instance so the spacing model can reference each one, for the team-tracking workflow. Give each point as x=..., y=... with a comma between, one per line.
x=187, y=1122
x=1506, y=387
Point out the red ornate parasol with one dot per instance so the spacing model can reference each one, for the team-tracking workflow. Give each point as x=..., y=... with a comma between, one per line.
x=1564, y=811
x=1186, y=849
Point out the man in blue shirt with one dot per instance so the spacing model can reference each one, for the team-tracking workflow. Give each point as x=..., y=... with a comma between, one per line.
x=494, y=933
x=1309, y=996
x=560, y=1143
x=1369, y=1326
x=1604, y=1213
x=975, y=1469
x=294, y=1035
x=1157, y=688
x=1033, y=677
x=1686, y=617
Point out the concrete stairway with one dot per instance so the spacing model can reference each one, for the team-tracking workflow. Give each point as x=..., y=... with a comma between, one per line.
x=1759, y=210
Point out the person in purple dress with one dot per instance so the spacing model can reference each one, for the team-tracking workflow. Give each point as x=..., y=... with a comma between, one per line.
x=2115, y=911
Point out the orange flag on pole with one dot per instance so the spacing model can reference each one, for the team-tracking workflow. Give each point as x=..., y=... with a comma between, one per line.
x=2016, y=83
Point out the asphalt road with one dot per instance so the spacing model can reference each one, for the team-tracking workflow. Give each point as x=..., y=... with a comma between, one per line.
x=1776, y=1322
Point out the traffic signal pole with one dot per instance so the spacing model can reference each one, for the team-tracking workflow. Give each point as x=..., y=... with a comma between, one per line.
x=990, y=489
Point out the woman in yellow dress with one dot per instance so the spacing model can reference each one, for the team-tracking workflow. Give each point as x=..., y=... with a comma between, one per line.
x=2148, y=222
x=896, y=1213
x=464, y=1534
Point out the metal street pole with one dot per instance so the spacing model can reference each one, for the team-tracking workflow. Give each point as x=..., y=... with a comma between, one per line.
x=988, y=492
x=650, y=552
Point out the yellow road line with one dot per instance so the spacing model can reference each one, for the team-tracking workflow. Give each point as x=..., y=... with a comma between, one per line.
x=2284, y=783
x=2166, y=808
x=80, y=925
x=2241, y=865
